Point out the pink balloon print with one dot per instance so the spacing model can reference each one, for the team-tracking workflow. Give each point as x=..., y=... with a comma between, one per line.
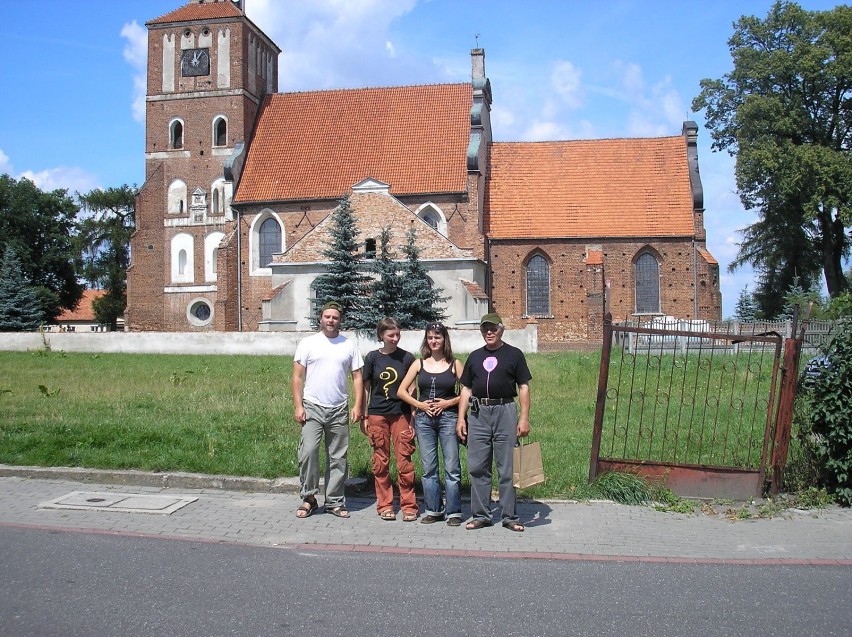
x=490, y=364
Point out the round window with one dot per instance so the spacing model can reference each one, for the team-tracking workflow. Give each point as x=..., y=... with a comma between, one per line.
x=199, y=312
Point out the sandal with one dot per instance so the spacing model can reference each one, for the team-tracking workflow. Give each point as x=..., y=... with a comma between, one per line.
x=339, y=511
x=513, y=525
x=473, y=525
x=409, y=517
x=306, y=509
x=388, y=514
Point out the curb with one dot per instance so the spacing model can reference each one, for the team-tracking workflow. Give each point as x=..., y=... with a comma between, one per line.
x=177, y=479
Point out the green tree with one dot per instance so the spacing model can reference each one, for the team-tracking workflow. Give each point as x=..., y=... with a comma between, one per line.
x=799, y=297
x=39, y=226
x=20, y=308
x=785, y=113
x=103, y=245
x=420, y=302
x=387, y=289
x=344, y=280
x=746, y=308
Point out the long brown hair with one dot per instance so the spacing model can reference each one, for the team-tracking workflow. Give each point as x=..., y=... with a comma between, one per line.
x=437, y=328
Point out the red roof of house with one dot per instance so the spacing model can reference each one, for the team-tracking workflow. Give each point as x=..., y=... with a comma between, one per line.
x=590, y=188
x=206, y=10
x=318, y=144
x=84, y=311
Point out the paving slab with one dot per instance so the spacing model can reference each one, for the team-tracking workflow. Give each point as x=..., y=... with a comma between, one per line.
x=554, y=529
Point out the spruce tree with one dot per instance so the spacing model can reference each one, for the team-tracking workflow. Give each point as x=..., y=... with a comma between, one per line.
x=387, y=286
x=797, y=297
x=419, y=303
x=20, y=308
x=343, y=280
x=747, y=307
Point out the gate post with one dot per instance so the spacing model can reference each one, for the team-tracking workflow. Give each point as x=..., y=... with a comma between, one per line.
x=603, y=375
x=784, y=416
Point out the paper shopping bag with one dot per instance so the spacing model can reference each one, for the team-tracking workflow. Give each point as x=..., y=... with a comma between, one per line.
x=528, y=470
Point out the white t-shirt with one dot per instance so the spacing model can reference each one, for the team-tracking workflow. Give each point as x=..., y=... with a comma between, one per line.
x=328, y=362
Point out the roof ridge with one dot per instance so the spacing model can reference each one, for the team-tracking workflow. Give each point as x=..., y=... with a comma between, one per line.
x=589, y=140
x=369, y=88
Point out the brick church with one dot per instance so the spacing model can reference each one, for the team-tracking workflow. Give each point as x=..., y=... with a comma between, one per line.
x=240, y=181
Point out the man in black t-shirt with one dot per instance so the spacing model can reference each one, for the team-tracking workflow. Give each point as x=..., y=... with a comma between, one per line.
x=493, y=375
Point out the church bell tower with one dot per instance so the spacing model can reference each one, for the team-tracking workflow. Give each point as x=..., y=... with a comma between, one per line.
x=209, y=67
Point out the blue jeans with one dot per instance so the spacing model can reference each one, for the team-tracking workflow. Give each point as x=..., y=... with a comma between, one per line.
x=429, y=431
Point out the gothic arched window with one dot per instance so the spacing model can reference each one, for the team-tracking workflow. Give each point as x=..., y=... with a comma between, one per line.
x=538, y=286
x=647, y=284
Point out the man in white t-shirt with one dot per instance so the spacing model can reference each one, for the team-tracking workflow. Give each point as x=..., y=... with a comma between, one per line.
x=320, y=394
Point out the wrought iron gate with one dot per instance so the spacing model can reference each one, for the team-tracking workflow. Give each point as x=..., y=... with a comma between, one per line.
x=695, y=409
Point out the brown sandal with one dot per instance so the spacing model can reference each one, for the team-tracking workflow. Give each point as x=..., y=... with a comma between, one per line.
x=473, y=525
x=306, y=509
x=388, y=514
x=409, y=517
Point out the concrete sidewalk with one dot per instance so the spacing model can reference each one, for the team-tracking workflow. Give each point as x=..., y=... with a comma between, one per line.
x=261, y=513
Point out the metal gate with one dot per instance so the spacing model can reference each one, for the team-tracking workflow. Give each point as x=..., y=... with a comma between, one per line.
x=696, y=410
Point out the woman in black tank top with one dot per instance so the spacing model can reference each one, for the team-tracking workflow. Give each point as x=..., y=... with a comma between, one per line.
x=436, y=377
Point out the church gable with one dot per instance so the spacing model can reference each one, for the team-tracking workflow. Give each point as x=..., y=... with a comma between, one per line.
x=373, y=212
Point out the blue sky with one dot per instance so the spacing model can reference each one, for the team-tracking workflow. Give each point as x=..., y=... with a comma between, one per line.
x=72, y=113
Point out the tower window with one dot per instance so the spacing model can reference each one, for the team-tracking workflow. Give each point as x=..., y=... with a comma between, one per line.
x=176, y=135
x=220, y=132
x=370, y=249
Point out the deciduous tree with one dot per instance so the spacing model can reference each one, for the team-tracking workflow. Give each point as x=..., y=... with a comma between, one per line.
x=103, y=244
x=785, y=113
x=39, y=227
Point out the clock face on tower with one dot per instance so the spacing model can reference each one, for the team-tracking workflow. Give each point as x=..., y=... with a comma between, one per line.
x=195, y=62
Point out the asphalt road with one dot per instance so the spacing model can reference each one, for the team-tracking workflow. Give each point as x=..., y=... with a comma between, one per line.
x=74, y=584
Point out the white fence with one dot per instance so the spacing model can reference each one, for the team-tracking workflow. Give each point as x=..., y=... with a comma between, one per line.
x=817, y=334
x=251, y=343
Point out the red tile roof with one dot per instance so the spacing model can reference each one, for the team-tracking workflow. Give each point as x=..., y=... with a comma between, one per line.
x=84, y=311
x=590, y=188
x=199, y=11
x=318, y=144
x=709, y=258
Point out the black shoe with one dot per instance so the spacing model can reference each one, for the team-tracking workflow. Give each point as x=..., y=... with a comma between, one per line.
x=454, y=521
x=431, y=519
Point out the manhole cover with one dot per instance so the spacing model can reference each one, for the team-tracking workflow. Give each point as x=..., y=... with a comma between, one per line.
x=120, y=502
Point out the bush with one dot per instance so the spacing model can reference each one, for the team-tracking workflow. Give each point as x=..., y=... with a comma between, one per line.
x=828, y=396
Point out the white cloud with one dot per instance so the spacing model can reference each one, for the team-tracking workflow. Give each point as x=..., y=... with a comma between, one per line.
x=334, y=43
x=136, y=54
x=71, y=178
x=565, y=81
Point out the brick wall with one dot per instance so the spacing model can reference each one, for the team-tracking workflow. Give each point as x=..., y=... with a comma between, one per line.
x=576, y=290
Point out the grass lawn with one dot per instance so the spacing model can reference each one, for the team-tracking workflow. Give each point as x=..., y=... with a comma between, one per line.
x=233, y=415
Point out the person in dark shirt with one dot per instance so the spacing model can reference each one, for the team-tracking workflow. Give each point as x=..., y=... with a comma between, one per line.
x=388, y=422
x=436, y=377
x=492, y=377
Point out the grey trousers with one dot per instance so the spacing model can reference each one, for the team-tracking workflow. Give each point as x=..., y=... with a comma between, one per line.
x=492, y=433
x=333, y=422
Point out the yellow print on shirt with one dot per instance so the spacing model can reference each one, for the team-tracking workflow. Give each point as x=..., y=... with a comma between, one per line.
x=390, y=376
